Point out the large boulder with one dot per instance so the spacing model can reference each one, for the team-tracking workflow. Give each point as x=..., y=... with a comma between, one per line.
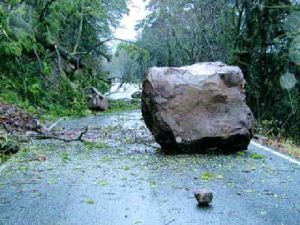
x=198, y=108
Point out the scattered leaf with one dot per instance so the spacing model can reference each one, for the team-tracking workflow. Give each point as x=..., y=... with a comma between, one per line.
x=65, y=157
x=90, y=202
x=257, y=156
x=240, y=153
x=126, y=168
x=102, y=183
x=52, y=181
x=207, y=176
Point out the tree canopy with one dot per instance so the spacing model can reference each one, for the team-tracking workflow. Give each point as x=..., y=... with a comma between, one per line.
x=55, y=45
x=51, y=50
x=260, y=36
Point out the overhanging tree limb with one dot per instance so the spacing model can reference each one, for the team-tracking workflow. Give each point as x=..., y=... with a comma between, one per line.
x=49, y=136
x=45, y=9
x=108, y=40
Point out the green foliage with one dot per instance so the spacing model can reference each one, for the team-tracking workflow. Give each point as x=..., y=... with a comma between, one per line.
x=95, y=145
x=8, y=145
x=241, y=153
x=261, y=37
x=102, y=183
x=3, y=158
x=50, y=52
x=263, y=51
x=184, y=32
x=129, y=62
x=90, y=202
x=134, y=60
x=121, y=105
x=208, y=176
x=257, y=156
x=65, y=157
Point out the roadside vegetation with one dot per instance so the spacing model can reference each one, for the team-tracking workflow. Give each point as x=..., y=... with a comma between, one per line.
x=51, y=51
x=261, y=37
x=124, y=105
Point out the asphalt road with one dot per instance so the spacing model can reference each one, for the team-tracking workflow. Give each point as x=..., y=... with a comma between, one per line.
x=123, y=179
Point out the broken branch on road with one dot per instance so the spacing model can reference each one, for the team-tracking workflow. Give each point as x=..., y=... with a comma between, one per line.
x=79, y=138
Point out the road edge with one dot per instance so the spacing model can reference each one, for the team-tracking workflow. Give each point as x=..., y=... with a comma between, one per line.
x=274, y=152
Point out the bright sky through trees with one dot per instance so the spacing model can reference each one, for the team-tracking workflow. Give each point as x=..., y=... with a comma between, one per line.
x=137, y=12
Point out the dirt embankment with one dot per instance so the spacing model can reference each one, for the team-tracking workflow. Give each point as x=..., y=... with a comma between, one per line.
x=13, y=123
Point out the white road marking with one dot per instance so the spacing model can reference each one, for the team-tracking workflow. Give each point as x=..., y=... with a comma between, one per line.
x=276, y=153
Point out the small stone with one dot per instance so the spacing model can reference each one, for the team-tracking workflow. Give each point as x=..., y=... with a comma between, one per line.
x=203, y=197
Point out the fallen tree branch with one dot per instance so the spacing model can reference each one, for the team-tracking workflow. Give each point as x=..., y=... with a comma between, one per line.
x=116, y=91
x=69, y=57
x=79, y=138
x=51, y=127
x=39, y=61
x=58, y=60
x=171, y=221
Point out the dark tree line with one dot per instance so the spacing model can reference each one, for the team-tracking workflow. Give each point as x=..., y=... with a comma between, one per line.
x=260, y=36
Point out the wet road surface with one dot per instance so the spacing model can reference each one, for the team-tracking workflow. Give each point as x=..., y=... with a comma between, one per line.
x=121, y=178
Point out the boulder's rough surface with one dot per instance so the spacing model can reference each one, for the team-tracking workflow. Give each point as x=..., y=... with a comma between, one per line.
x=197, y=108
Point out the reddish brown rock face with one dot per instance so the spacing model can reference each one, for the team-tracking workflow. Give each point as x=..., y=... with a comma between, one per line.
x=197, y=108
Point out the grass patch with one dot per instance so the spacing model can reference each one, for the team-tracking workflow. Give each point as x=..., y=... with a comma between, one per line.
x=241, y=153
x=285, y=146
x=65, y=157
x=95, y=145
x=290, y=149
x=102, y=183
x=52, y=181
x=257, y=156
x=126, y=168
x=54, y=114
x=124, y=105
x=8, y=146
x=283, y=140
x=48, y=110
x=208, y=176
x=3, y=158
x=90, y=202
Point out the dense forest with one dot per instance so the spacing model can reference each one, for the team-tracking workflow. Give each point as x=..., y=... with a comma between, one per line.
x=260, y=36
x=149, y=112
x=51, y=50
